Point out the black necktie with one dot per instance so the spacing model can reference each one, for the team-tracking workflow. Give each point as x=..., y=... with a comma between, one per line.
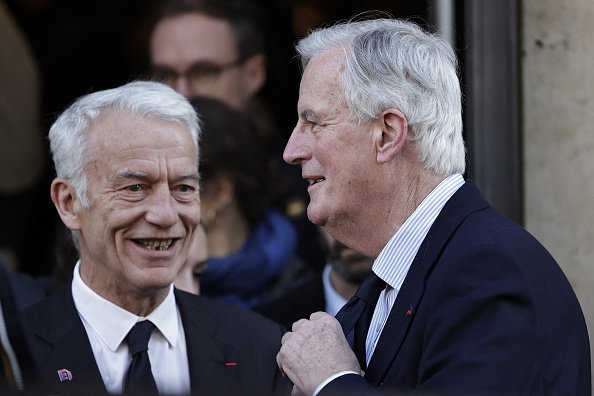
x=356, y=314
x=139, y=379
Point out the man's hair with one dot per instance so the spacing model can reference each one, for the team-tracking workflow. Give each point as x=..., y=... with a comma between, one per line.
x=393, y=63
x=67, y=135
x=245, y=19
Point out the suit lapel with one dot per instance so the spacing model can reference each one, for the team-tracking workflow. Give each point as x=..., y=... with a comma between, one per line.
x=63, y=339
x=210, y=360
x=465, y=201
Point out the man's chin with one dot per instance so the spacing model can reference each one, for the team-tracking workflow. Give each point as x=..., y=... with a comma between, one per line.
x=315, y=216
x=156, y=278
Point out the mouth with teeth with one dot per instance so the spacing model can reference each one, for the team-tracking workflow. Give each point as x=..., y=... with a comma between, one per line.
x=154, y=244
x=315, y=181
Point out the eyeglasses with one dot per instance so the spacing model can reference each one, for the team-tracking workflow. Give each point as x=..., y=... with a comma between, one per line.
x=201, y=72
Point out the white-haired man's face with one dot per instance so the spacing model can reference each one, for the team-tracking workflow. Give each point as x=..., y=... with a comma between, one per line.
x=144, y=205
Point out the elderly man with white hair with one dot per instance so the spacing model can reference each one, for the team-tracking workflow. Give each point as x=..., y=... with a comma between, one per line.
x=127, y=186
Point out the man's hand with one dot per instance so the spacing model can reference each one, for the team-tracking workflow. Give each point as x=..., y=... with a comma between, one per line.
x=315, y=350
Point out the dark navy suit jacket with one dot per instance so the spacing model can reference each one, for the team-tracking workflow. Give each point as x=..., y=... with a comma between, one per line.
x=217, y=333
x=491, y=313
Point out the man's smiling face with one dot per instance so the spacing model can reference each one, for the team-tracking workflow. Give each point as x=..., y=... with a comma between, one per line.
x=144, y=204
x=334, y=152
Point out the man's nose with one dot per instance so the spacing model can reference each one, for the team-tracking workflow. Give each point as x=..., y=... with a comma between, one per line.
x=297, y=150
x=162, y=210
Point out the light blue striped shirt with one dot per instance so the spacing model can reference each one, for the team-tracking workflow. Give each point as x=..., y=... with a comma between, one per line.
x=396, y=257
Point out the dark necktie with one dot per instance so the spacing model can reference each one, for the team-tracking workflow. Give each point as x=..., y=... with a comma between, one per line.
x=139, y=379
x=356, y=315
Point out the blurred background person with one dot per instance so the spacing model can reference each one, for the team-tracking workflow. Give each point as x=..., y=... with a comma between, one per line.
x=218, y=49
x=188, y=278
x=25, y=220
x=16, y=366
x=210, y=48
x=343, y=274
x=250, y=242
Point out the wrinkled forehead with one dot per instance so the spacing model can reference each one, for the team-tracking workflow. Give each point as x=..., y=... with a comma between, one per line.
x=116, y=130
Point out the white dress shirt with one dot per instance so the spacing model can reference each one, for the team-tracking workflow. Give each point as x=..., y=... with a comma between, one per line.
x=107, y=326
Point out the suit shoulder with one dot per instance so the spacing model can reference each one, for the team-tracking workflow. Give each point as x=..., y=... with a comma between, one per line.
x=45, y=310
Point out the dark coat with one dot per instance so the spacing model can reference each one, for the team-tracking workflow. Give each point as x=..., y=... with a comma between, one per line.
x=491, y=313
x=216, y=333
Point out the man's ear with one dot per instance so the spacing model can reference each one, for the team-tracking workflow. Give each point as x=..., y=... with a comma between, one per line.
x=67, y=203
x=391, y=133
x=255, y=74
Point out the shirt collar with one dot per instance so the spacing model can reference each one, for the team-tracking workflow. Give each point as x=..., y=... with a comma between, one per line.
x=112, y=323
x=396, y=257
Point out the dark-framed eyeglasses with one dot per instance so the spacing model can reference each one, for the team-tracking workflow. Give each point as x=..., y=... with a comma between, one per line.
x=200, y=72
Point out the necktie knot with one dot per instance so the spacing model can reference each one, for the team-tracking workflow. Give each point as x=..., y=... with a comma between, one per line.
x=138, y=337
x=370, y=289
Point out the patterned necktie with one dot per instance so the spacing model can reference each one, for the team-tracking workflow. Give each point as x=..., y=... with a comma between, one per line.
x=356, y=314
x=139, y=379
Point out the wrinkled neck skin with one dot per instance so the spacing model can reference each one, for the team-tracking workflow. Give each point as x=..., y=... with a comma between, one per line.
x=135, y=300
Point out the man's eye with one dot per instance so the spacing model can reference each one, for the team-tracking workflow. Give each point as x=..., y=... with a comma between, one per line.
x=185, y=188
x=134, y=187
x=198, y=275
x=204, y=70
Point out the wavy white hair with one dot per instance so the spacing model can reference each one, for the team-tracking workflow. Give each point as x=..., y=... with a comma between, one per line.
x=393, y=63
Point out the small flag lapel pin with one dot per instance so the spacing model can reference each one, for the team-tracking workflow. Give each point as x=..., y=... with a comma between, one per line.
x=230, y=364
x=409, y=312
x=65, y=375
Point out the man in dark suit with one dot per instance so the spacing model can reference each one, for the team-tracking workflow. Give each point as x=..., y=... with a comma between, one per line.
x=462, y=301
x=127, y=187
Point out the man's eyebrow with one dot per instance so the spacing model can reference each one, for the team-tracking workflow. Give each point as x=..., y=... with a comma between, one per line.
x=131, y=175
x=192, y=176
x=144, y=176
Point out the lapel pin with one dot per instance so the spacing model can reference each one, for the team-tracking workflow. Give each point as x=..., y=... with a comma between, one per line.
x=64, y=375
x=409, y=312
x=230, y=364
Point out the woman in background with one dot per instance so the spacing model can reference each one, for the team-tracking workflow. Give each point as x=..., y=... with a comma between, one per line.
x=250, y=242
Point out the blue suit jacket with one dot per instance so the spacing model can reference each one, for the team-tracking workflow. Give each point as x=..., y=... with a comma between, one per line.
x=216, y=333
x=491, y=314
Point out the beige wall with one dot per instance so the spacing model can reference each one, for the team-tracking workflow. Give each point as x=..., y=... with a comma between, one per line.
x=558, y=106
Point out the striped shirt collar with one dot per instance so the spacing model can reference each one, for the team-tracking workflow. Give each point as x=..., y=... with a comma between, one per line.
x=396, y=257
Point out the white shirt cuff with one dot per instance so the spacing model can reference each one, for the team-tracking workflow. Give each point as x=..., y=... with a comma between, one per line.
x=323, y=384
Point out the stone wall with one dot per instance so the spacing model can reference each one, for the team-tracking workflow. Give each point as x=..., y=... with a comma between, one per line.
x=558, y=127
